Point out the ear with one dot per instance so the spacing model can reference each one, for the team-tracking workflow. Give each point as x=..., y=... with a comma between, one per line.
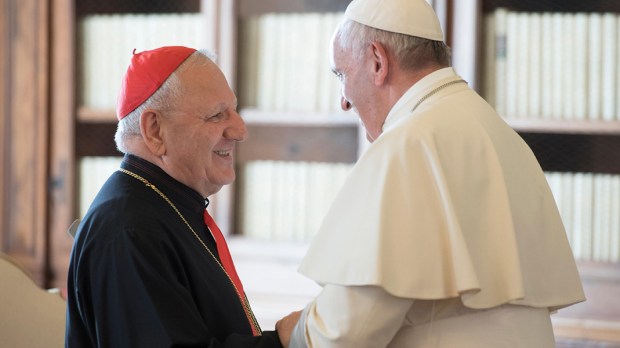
x=151, y=129
x=380, y=63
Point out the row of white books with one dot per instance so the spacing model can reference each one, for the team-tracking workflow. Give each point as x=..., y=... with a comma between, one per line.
x=280, y=200
x=590, y=208
x=284, y=62
x=284, y=58
x=563, y=66
x=106, y=43
x=288, y=200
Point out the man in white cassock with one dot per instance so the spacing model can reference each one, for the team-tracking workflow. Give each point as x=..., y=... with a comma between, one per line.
x=446, y=233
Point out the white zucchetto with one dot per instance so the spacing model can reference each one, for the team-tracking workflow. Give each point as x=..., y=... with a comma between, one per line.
x=409, y=17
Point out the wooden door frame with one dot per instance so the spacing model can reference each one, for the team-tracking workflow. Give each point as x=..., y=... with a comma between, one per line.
x=62, y=166
x=24, y=120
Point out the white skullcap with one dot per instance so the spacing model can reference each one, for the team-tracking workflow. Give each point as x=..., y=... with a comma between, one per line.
x=410, y=17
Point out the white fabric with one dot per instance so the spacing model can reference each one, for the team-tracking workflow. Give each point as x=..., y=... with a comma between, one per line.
x=357, y=316
x=448, y=324
x=449, y=201
x=410, y=17
x=29, y=316
x=367, y=316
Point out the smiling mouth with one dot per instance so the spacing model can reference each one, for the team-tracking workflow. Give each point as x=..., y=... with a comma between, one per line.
x=223, y=153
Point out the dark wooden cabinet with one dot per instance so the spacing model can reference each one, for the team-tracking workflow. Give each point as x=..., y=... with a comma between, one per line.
x=36, y=136
x=24, y=134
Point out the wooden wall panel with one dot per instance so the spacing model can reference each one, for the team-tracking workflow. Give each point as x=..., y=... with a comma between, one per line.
x=62, y=140
x=252, y=7
x=25, y=142
x=299, y=143
x=4, y=71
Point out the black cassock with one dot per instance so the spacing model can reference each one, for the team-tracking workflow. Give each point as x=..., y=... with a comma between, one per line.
x=138, y=277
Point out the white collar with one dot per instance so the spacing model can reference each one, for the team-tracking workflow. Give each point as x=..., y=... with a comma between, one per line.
x=415, y=92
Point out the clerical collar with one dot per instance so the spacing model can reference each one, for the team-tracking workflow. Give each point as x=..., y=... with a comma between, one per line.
x=412, y=95
x=181, y=194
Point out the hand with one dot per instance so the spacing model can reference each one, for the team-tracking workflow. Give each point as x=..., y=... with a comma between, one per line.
x=285, y=326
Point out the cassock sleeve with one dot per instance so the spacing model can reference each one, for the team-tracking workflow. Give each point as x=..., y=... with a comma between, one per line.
x=138, y=300
x=350, y=316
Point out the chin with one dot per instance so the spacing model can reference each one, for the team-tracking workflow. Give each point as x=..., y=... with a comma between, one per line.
x=226, y=181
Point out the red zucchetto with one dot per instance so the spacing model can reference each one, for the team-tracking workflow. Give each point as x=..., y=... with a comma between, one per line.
x=146, y=73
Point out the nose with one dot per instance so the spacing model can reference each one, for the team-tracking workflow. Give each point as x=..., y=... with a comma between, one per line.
x=345, y=104
x=237, y=129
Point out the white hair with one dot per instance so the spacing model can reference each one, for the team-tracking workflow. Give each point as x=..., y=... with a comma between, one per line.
x=411, y=52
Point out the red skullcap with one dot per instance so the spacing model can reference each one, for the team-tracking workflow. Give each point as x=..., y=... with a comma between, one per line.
x=146, y=73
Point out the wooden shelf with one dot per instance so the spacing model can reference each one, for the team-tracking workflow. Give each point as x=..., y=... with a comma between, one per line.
x=536, y=125
x=554, y=6
x=88, y=115
x=95, y=139
x=137, y=6
x=253, y=7
x=302, y=118
x=580, y=152
x=315, y=143
x=250, y=116
x=334, y=118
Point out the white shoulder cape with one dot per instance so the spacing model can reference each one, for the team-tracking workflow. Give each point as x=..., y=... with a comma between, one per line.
x=449, y=201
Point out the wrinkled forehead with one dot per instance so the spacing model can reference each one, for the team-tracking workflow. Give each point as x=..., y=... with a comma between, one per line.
x=205, y=87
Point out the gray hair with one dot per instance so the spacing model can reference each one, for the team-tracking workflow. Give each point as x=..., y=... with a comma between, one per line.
x=411, y=52
x=163, y=99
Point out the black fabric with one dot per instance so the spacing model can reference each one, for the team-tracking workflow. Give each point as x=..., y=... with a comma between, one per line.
x=138, y=277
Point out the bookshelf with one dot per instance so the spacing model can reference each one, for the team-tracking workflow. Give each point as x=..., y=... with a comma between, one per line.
x=304, y=132
x=290, y=101
x=71, y=130
x=550, y=68
x=122, y=27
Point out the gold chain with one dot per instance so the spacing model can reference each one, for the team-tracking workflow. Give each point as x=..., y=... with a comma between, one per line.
x=429, y=94
x=243, y=299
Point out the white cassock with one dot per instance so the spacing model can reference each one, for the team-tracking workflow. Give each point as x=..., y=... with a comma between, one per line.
x=445, y=234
